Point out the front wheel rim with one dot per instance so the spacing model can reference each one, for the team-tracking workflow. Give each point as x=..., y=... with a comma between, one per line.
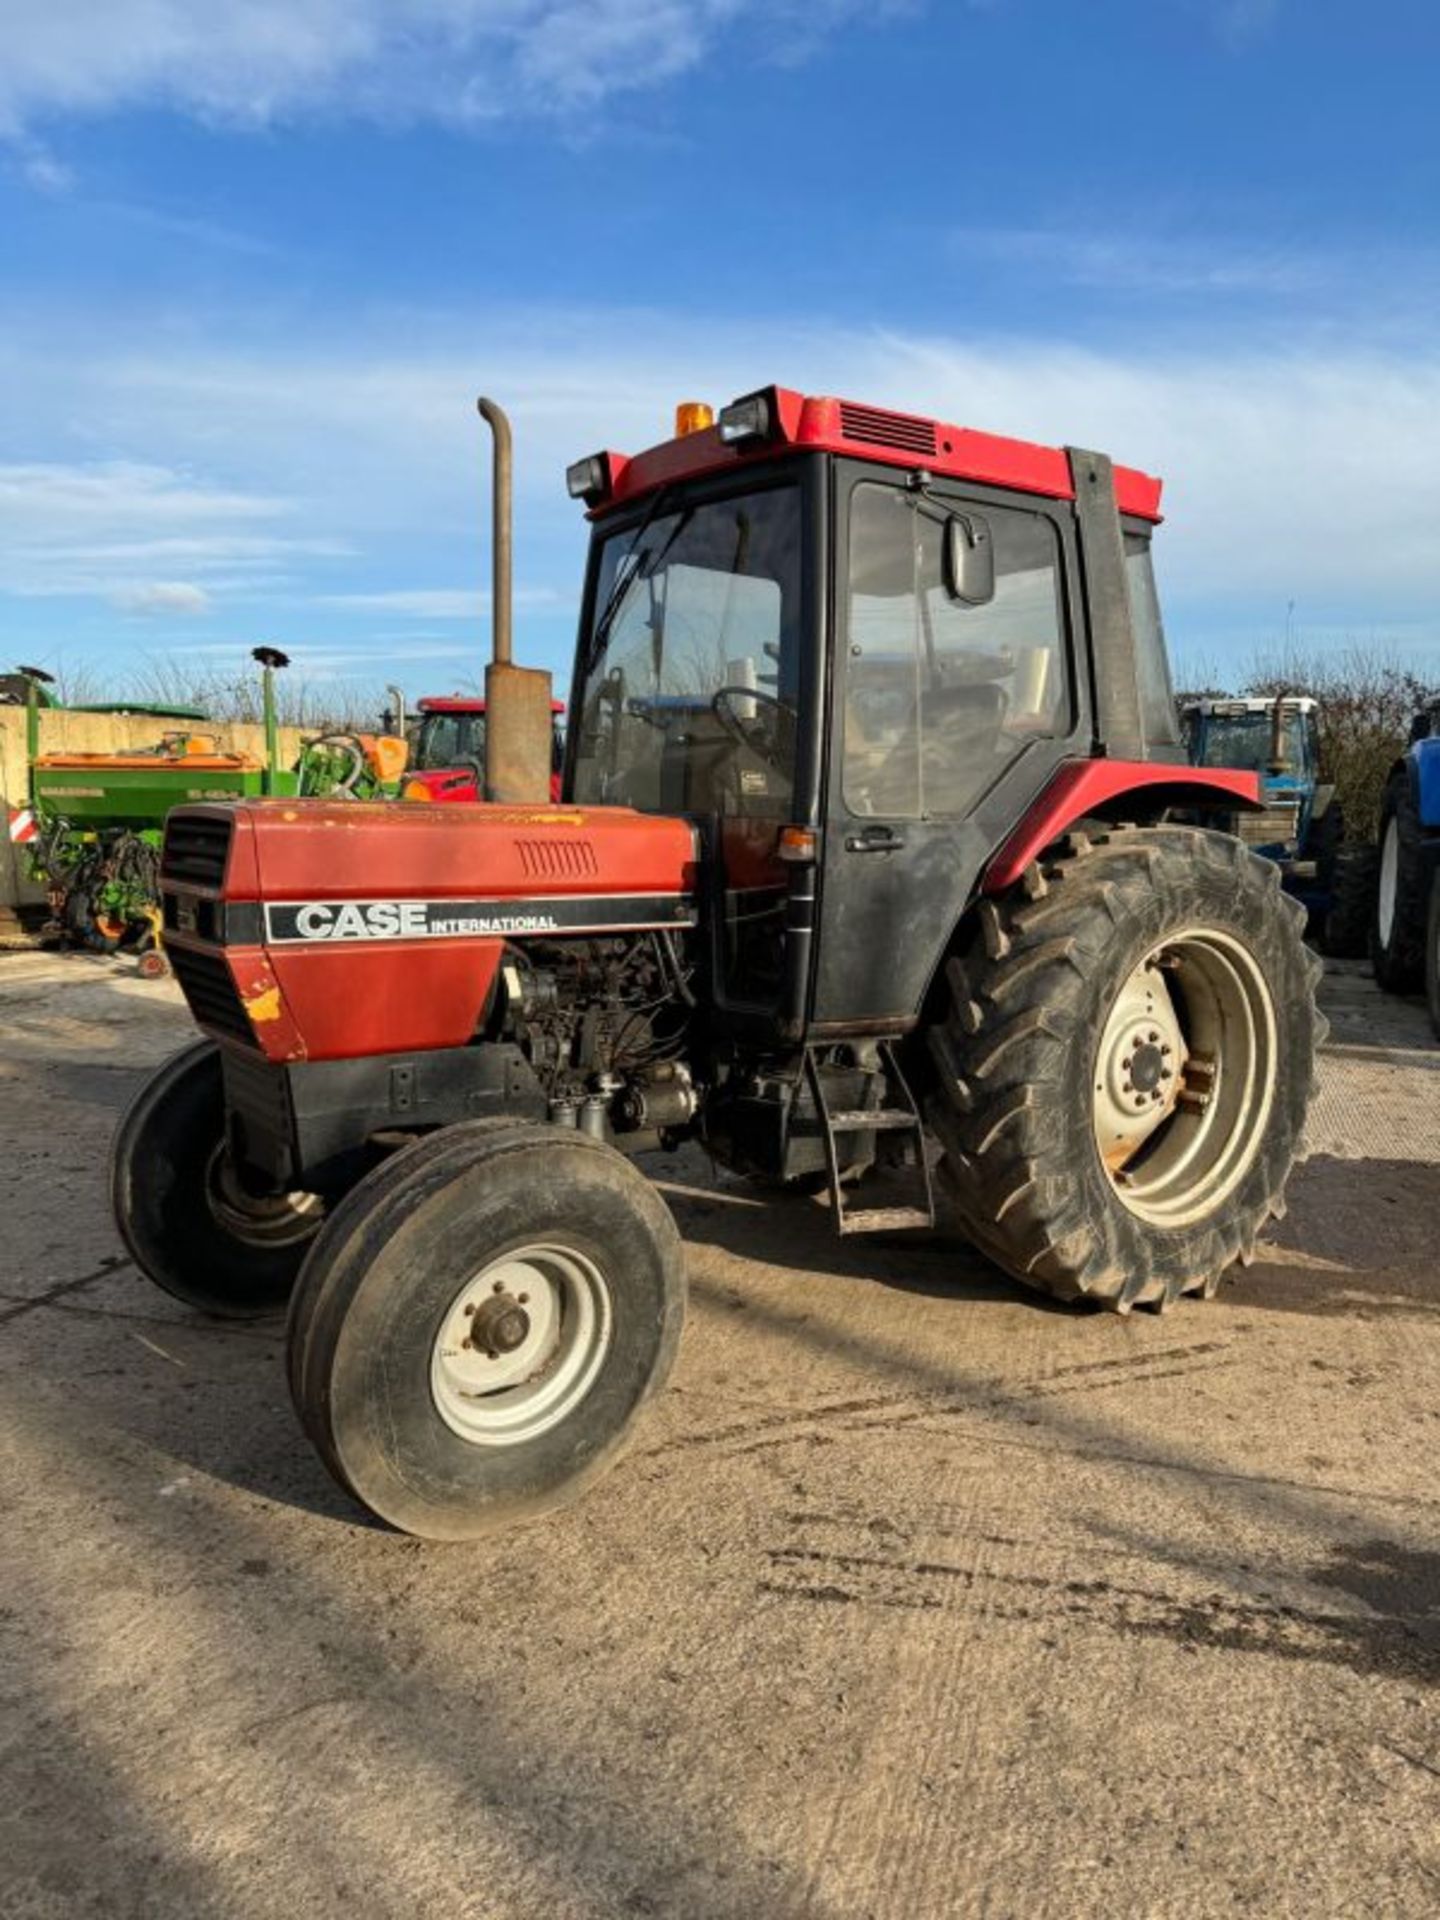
x=521, y=1345
x=268, y=1222
x=1184, y=1077
x=1389, y=882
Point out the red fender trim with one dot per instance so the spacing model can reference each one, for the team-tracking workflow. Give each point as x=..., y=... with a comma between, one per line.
x=1080, y=787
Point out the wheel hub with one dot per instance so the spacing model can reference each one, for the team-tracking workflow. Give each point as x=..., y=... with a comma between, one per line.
x=501, y=1325
x=1140, y=1064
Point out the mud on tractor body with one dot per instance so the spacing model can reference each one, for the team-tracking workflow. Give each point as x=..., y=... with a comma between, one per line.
x=864, y=849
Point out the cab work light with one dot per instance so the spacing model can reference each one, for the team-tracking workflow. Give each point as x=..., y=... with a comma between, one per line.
x=589, y=479
x=692, y=416
x=747, y=419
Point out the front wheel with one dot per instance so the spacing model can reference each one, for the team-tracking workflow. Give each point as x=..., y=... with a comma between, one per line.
x=480, y=1322
x=1397, y=938
x=188, y=1220
x=1125, y=1063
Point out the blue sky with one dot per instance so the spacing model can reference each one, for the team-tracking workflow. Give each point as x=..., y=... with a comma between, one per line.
x=258, y=256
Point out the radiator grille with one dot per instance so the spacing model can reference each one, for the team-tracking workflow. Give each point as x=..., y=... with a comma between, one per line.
x=197, y=846
x=1269, y=827
x=887, y=429
x=558, y=859
x=210, y=992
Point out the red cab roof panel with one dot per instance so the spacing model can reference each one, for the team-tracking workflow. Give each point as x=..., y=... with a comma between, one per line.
x=463, y=703
x=820, y=424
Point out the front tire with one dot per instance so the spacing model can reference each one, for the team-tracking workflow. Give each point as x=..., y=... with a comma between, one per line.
x=188, y=1223
x=479, y=1324
x=1125, y=1063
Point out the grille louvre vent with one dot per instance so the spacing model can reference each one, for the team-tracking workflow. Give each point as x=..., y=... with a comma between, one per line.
x=197, y=848
x=884, y=429
x=558, y=859
x=210, y=993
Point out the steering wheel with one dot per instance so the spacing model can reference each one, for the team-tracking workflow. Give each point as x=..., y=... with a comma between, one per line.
x=773, y=738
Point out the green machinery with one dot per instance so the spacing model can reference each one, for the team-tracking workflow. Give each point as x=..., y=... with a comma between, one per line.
x=93, y=826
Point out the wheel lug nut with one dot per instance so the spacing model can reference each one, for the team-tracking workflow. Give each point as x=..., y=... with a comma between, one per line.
x=469, y=1306
x=467, y=1344
x=499, y=1287
x=523, y=1298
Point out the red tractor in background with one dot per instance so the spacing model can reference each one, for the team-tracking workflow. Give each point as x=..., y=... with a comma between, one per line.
x=864, y=847
x=447, y=756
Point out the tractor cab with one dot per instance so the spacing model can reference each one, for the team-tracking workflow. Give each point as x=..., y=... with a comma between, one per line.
x=845, y=643
x=1278, y=739
x=448, y=749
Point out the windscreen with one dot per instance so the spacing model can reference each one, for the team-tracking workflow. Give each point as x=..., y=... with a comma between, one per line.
x=447, y=739
x=691, y=664
x=1245, y=740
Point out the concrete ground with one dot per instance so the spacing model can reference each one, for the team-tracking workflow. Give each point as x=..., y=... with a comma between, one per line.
x=914, y=1596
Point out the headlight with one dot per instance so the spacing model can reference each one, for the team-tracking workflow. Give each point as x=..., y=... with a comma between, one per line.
x=747, y=419
x=589, y=479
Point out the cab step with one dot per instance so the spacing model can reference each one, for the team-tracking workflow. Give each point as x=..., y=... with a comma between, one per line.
x=885, y=1219
x=879, y=1119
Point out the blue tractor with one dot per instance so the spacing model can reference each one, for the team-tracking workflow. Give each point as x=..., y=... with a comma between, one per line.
x=1299, y=825
x=1405, y=934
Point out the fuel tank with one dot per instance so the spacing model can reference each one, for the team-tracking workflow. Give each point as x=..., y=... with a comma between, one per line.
x=310, y=930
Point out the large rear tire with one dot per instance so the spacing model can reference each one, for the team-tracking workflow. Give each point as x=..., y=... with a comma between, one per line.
x=1352, y=901
x=1397, y=939
x=1125, y=1063
x=479, y=1324
x=185, y=1217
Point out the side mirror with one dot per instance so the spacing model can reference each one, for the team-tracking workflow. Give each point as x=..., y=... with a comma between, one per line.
x=969, y=560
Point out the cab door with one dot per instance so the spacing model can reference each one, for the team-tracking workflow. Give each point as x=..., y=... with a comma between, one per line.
x=948, y=715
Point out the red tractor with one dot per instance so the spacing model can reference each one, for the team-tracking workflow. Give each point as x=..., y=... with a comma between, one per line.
x=865, y=846
x=448, y=758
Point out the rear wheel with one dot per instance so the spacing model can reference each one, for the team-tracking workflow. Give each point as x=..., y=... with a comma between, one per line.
x=182, y=1210
x=1397, y=940
x=1352, y=902
x=480, y=1322
x=1125, y=1065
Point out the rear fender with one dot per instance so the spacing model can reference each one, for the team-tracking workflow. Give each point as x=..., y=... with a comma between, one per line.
x=1423, y=762
x=1117, y=790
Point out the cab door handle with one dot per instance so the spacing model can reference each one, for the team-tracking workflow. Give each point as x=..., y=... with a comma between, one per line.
x=874, y=840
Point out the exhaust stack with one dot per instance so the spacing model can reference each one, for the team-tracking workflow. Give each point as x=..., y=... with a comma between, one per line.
x=517, y=699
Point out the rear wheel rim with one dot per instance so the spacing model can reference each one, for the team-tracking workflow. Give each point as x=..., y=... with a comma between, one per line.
x=1389, y=881
x=1184, y=1077
x=521, y=1345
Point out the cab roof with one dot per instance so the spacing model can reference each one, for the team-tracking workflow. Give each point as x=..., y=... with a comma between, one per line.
x=1231, y=708
x=818, y=423
x=464, y=703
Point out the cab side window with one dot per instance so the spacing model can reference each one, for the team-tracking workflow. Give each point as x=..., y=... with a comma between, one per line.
x=941, y=694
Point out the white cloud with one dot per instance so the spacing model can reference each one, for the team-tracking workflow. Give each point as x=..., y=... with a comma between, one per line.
x=170, y=599
x=1297, y=472
x=104, y=527
x=459, y=61
x=437, y=603
x=1135, y=263
x=42, y=171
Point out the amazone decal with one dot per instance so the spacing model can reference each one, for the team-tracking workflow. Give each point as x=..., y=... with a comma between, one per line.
x=311, y=922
